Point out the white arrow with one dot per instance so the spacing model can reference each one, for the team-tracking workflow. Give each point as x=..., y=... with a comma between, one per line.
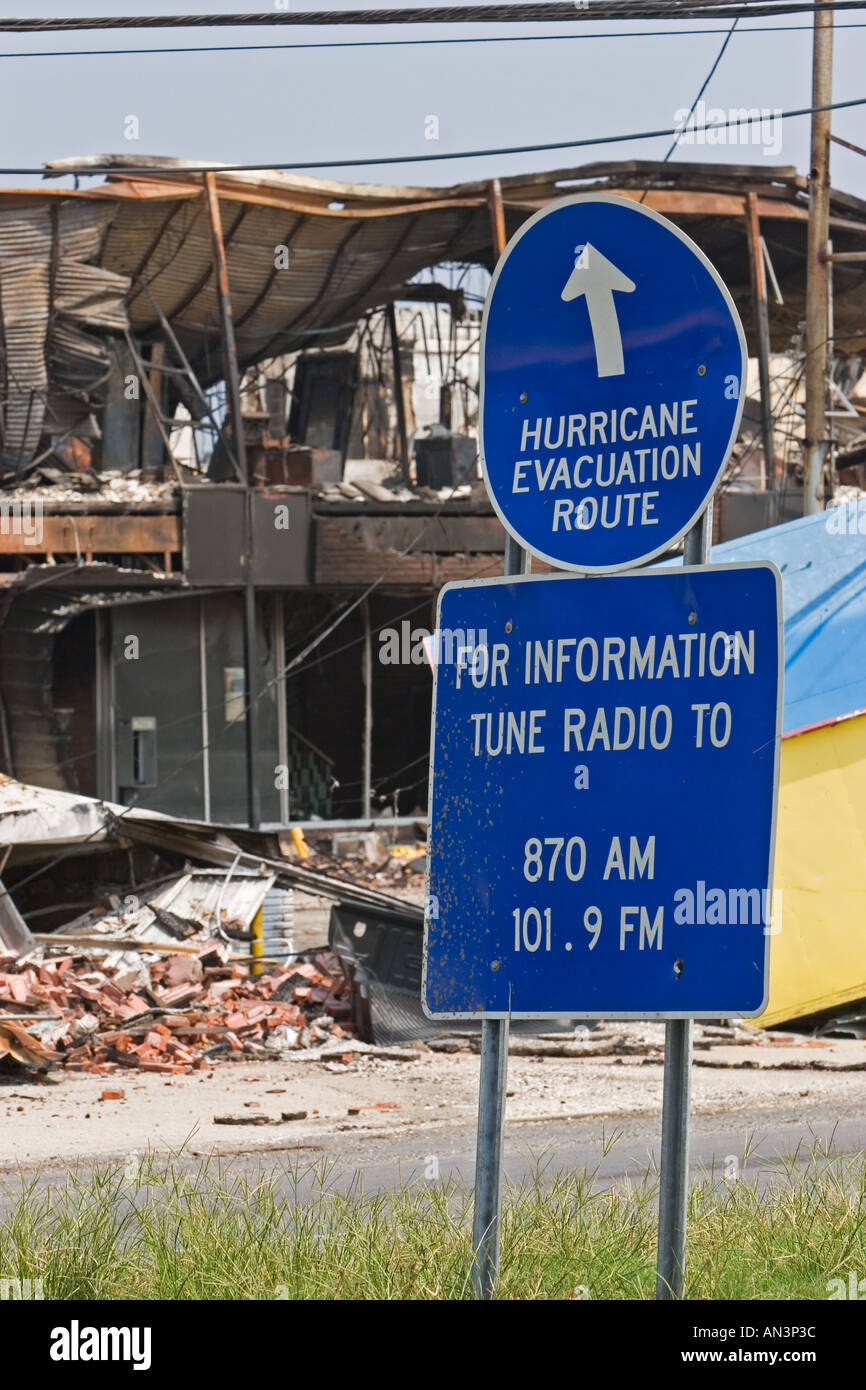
x=597, y=277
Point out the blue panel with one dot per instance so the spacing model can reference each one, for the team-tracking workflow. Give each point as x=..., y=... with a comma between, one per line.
x=822, y=560
x=653, y=812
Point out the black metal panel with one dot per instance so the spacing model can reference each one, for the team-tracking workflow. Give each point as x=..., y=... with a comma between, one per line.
x=159, y=729
x=213, y=531
x=226, y=700
x=281, y=538
x=157, y=677
x=214, y=537
x=382, y=957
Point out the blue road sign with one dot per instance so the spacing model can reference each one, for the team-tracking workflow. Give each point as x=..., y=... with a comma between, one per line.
x=604, y=771
x=613, y=366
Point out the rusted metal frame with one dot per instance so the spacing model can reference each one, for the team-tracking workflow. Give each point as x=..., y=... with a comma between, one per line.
x=219, y=272
x=458, y=235
x=432, y=292
x=233, y=393
x=599, y=169
x=287, y=241
x=817, y=270
x=173, y=339
x=399, y=403
x=352, y=309
x=762, y=327
x=848, y=144
x=843, y=256
x=308, y=202
x=497, y=217
x=142, y=373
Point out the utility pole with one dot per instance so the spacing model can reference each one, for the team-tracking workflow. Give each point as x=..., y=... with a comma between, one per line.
x=762, y=334
x=817, y=268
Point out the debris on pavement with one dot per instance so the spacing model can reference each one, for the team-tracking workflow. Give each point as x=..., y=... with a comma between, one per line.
x=285, y=1117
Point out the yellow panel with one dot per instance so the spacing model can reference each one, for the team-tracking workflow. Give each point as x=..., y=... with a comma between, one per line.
x=818, y=958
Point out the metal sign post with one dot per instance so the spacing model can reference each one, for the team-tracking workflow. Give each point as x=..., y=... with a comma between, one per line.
x=493, y=1082
x=677, y=1084
x=488, y=1156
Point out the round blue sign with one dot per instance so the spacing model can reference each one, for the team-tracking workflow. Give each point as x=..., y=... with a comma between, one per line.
x=613, y=366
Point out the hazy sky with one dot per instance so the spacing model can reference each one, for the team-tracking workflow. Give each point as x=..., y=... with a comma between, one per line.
x=269, y=104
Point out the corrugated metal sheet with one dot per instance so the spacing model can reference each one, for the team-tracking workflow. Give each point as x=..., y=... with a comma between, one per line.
x=50, y=293
x=36, y=815
x=208, y=900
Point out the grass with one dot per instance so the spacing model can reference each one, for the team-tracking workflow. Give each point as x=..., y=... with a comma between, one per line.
x=176, y=1230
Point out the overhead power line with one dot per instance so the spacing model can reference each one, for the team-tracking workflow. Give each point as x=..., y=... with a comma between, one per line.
x=461, y=39
x=166, y=171
x=447, y=14
x=704, y=85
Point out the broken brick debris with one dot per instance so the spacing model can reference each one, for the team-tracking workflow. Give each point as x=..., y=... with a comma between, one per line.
x=196, y=1009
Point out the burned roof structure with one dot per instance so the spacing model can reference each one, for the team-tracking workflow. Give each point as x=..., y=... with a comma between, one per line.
x=307, y=257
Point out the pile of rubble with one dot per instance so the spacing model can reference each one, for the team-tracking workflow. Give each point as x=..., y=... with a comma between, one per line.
x=180, y=1012
x=368, y=859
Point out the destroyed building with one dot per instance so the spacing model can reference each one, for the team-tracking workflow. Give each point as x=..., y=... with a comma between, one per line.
x=239, y=461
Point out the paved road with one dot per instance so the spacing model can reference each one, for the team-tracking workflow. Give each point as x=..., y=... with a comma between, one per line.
x=383, y=1162
x=721, y=1137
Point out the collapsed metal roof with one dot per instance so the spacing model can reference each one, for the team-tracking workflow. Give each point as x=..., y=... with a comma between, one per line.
x=355, y=246
x=307, y=257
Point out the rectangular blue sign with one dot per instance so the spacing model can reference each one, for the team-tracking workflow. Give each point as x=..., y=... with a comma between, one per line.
x=605, y=761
